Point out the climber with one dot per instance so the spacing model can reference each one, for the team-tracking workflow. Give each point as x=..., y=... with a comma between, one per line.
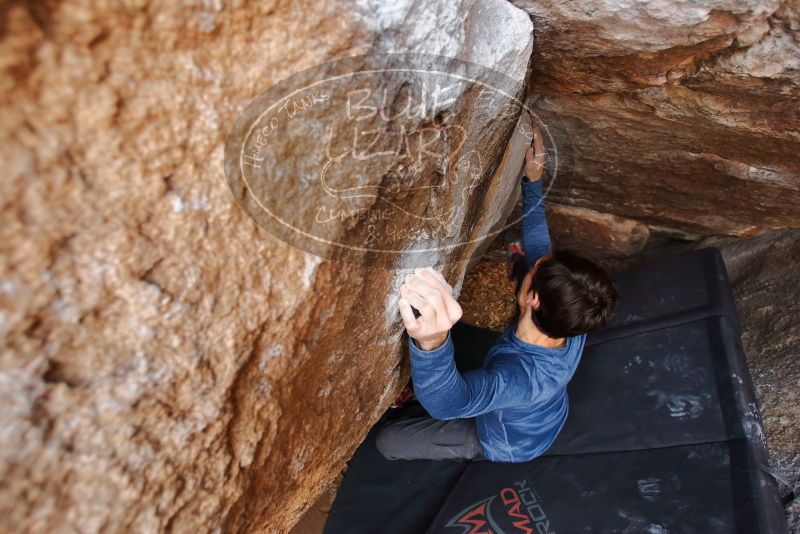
x=513, y=408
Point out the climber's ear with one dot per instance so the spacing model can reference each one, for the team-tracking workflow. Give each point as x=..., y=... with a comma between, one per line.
x=534, y=301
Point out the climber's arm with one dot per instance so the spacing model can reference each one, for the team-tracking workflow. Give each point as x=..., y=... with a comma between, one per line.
x=535, y=235
x=447, y=394
x=438, y=385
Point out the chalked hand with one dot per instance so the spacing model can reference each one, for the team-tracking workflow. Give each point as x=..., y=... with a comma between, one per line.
x=535, y=156
x=428, y=292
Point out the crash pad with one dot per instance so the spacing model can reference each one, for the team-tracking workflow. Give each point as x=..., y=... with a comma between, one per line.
x=663, y=432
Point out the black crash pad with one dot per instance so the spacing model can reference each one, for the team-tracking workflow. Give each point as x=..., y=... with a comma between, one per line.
x=704, y=488
x=663, y=433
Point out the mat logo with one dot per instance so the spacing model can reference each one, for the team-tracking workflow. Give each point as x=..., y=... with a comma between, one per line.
x=476, y=519
x=521, y=512
x=525, y=495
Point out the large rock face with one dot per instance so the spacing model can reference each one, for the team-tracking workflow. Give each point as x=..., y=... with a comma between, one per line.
x=683, y=115
x=167, y=364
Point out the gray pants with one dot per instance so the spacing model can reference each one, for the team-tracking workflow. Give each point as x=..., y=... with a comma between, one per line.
x=425, y=438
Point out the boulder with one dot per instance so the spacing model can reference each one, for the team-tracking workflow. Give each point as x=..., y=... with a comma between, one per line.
x=168, y=364
x=594, y=233
x=682, y=115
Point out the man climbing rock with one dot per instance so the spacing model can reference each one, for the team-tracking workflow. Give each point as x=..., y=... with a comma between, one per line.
x=512, y=409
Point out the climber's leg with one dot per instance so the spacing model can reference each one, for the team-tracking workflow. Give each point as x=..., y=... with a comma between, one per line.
x=417, y=438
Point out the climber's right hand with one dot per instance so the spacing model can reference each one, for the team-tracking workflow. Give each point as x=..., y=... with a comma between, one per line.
x=428, y=292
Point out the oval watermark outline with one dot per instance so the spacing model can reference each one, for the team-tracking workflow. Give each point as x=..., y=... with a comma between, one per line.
x=523, y=106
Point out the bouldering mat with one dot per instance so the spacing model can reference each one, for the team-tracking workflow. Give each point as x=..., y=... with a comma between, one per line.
x=663, y=433
x=377, y=495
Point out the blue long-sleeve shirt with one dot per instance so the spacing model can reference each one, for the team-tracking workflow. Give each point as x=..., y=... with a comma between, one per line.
x=519, y=397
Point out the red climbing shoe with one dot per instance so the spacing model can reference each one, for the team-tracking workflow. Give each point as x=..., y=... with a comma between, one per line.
x=513, y=252
x=406, y=396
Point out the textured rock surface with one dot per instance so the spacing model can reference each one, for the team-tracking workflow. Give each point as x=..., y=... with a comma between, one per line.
x=603, y=235
x=599, y=233
x=509, y=171
x=683, y=115
x=166, y=364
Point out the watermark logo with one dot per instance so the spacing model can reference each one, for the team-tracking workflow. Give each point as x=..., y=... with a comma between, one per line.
x=376, y=159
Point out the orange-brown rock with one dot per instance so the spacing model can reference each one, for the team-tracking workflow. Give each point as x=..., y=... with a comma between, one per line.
x=681, y=115
x=167, y=365
x=596, y=234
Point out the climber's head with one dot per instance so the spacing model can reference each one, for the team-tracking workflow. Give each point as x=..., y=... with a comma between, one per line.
x=567, y=295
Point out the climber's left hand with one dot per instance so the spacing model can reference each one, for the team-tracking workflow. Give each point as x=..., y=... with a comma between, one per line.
x=428, y=292
x=535, y=157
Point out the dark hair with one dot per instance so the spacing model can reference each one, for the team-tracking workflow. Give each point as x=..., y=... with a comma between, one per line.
x=575, y=295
